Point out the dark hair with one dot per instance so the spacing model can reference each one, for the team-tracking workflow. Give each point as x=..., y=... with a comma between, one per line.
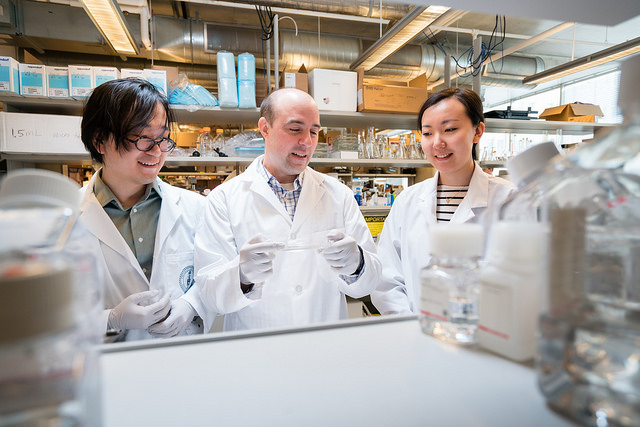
x=471, y=101
x=119, y=108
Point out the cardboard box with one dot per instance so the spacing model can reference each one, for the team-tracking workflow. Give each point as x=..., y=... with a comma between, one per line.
x=40, y=133
x=298, y=79
x=334, y=90
x=32, y=80
x=158, y=78
x=80, y=81
x=104, y=74
x=572, y=113
x=389, y=99
x=126, y=73
x=9, y=74
x=57, y=82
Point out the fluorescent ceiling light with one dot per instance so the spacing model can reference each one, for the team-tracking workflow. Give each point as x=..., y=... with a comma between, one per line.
x=108, y=17
x=400, y=34
x=610, y=54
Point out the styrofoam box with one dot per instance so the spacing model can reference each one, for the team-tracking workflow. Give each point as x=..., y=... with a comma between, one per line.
x=104, y=74
x=80, y=80
x=158, y=78
x=40, y=133
x=334, y=90
x=57, y=82
x=9, y=74
x=32, y=80
x=125, y=73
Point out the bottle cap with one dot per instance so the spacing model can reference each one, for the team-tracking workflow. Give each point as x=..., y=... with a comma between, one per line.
x=524, y=167
x=35, y=299
x=38, y=188
x=219, y=130
x=465, y=240
x=515, y=241
x=629, y=93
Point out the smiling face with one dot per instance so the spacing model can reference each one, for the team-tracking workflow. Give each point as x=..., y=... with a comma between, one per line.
x=292, y=137
x=448, y=137
x=127, y=172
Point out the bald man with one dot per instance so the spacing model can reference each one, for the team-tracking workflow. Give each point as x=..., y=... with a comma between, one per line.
x=282, y=245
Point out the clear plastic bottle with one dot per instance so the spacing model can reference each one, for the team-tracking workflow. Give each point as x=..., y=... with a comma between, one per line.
x=205, y=142
x=589, y=328
x=451, y=283
x=218, y=143
x=50, y=303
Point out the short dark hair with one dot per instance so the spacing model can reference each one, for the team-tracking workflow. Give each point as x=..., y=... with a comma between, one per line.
x=119, y=108
x=471, y=101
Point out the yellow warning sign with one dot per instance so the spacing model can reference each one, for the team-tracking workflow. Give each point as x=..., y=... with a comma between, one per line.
x=375, y=223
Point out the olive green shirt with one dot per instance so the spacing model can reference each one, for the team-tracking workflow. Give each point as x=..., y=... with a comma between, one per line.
x=138, y=224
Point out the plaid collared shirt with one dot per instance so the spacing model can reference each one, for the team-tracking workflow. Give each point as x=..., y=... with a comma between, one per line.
x=288, y=198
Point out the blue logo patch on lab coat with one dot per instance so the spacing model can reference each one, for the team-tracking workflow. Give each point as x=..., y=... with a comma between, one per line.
x=186, y=278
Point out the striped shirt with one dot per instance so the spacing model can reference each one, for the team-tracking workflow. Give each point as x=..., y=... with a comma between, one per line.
x=288, y=196
x=448, y=199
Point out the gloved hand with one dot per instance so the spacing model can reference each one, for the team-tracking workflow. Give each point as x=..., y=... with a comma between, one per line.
x=256, y=259
x=179, y=317
x=342, y=253
x=130, y=314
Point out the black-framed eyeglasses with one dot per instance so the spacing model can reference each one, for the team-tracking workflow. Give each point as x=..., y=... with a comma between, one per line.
x=144, y=143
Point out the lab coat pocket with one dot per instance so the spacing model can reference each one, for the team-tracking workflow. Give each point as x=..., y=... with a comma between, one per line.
x=177, y=273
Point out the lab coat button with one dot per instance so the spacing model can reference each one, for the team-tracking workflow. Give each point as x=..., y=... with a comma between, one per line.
x=298, y=289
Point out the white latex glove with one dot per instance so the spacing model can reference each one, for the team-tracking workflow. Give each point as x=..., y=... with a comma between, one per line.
x=179, y=317
x=256, y=259
x=131, y=314
x=342, y=253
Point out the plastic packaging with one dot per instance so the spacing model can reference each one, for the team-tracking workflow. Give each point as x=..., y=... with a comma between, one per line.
x=451, y=282
x=246, y=81
x=589, y=328
x=183, y=92
x=227, y=86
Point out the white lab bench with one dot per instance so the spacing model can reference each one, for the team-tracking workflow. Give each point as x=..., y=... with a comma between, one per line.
x=380, y=371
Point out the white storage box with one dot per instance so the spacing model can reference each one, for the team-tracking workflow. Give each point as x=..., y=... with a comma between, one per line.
x=9, y=74
x=158, y=78
x=32, y=80
x=80, y=81
x=104, y=74
x=126, y=73
x=40, y=134
x=57, y=82
x=334, y=90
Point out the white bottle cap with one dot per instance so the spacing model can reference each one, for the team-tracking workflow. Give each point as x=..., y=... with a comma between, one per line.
x=524, y=167
x=35, y=299
x=34, y=188
x=515, y=241
x=466, y=240
x=629, y=94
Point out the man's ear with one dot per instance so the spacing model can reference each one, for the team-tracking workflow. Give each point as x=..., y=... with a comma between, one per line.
x=99, y=145
x=263, y=126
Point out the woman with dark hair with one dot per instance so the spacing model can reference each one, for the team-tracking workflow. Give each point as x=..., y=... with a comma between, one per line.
x=451, y=123
x=145, y=228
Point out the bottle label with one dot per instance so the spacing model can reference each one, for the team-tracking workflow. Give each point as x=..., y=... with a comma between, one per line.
x=496, y=302
x=434, y=301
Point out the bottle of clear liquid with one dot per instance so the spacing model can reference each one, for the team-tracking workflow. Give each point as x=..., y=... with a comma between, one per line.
x=205, y=142
x=589, y=327
x=451, y=283
x=218, y=142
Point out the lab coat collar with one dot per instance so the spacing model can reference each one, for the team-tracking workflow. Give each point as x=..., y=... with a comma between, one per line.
x=475, y=200
x=169, y=214
x=260, y=186
x=100, y=225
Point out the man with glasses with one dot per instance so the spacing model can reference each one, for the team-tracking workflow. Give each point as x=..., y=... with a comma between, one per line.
x=144, y=226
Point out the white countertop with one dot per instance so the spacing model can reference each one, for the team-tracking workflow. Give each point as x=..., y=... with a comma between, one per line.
x=380, y=371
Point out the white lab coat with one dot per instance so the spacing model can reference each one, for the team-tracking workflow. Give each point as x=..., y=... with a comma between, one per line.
x=403, y=245
x=303, y=288
x=172, y=259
